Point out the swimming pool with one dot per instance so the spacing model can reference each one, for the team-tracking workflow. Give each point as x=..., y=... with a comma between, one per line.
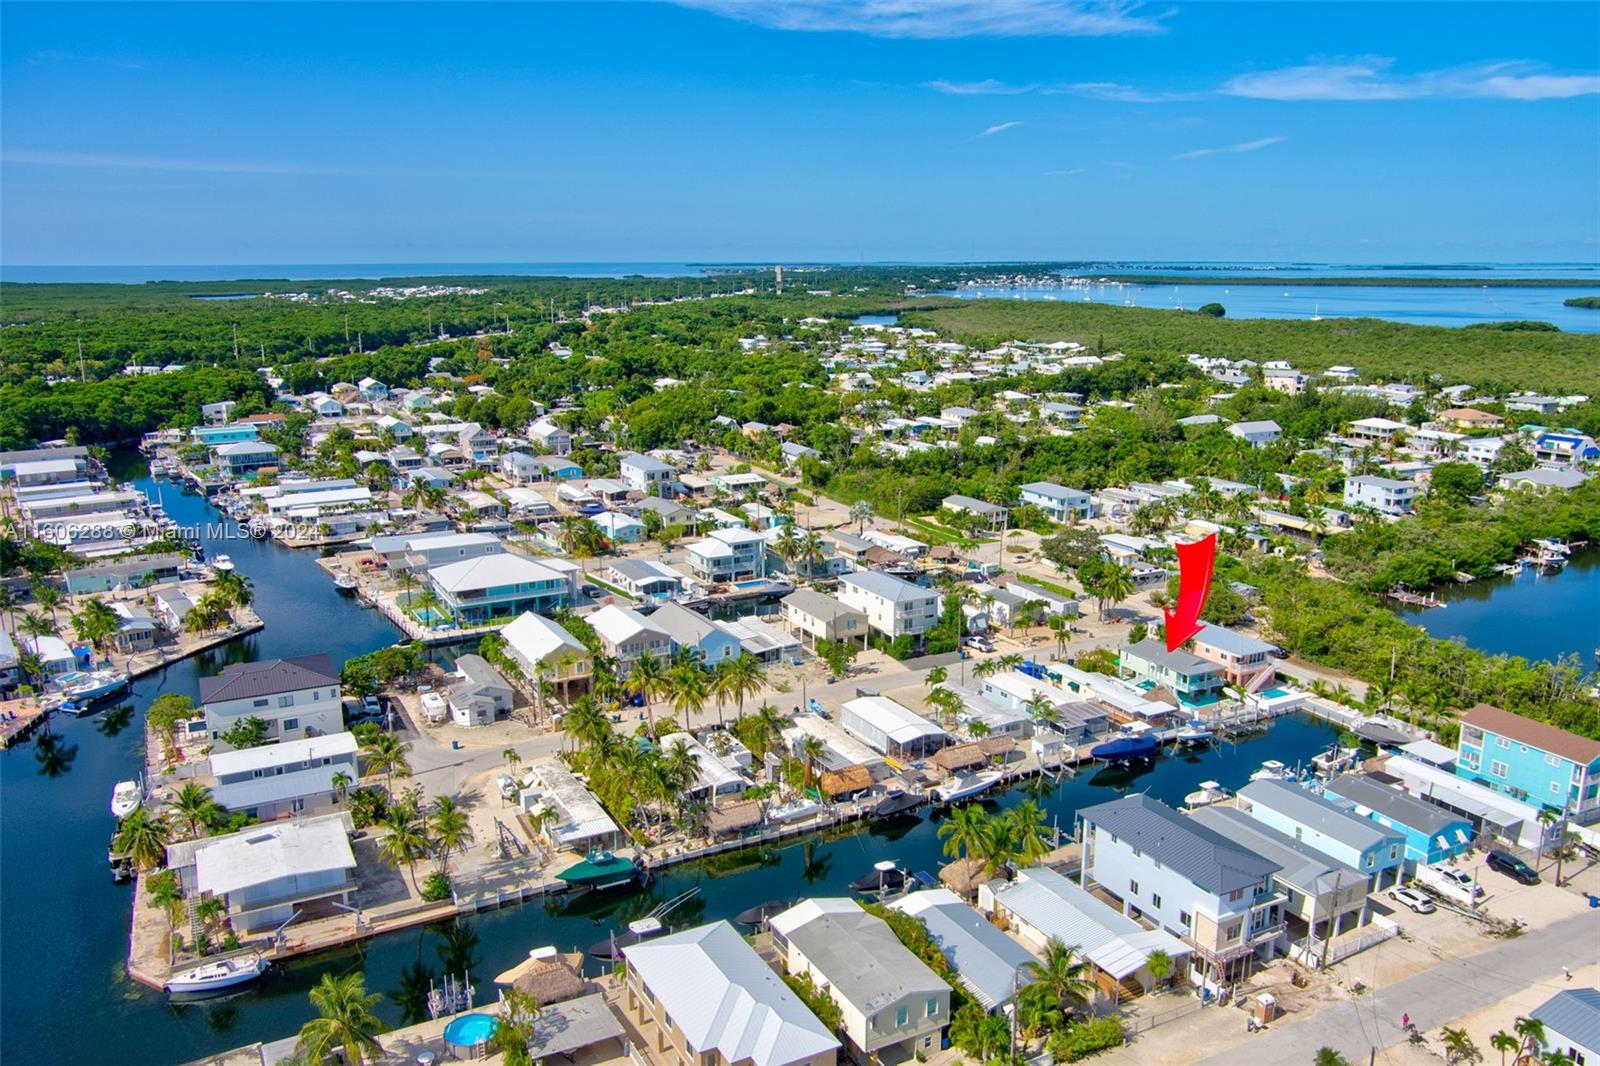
x=470, y=1030
x=757, y=583
x=1275, y=693
x=429, y=616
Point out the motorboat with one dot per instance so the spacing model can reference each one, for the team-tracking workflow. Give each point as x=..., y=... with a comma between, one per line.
x=1132, y=748
x=1272, y=770
x=1194, y=731
x=601, y=870
x=896, y=802
x=223, y=563
x=761, y=912
x=793, y=811
x=344, y=581
x=1335, y=759
x=85, y=686
x=126, y=798
x=215, y=976
x=610, y=949
x=963, y=785
x=886, y=876
x=1209, y=792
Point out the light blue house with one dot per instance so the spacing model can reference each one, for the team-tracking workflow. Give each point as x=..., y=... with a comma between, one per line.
x=1339, y=833
x=695, y=633
x=1195, y=681
x=211, y=436
x=1432, y=834
x=1530, y=761
x=1057, y=501
x=474, y=591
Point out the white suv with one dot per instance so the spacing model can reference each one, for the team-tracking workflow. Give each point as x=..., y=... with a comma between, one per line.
x=1417, y=901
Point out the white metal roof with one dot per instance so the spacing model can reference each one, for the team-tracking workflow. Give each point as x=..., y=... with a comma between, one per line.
x=491, y=571
x=617, y=625
x=535, y=638
x=267, y=853
x=586, y=819
x=269, y=756
x=1059, y=908
x=713, y=773
x=900, y=724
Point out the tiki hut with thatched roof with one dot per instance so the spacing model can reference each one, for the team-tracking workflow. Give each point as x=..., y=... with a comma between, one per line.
x=964, y=876
x=1001, y=746
x=733, y=818
x=960, y=757
x=547, y=975
x=850, y=780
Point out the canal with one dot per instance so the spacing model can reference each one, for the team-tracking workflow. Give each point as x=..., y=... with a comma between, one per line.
x=64, y=925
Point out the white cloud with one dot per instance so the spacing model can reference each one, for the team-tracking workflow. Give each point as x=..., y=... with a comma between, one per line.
x=1066, y=173
x=986, y=87
x=1231, y=149
x=929, y=19
x=992, y=130
x=1113, y=91
x=1371, y=78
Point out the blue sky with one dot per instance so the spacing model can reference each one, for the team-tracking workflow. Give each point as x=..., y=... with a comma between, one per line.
x=795, y=130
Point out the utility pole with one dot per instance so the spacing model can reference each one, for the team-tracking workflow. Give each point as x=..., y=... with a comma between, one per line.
x=236, y=342
x=83, y=375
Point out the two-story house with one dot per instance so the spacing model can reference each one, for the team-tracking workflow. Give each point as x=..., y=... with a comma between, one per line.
x=894, y=607
x=296, y=698
x=892, y=1006
x=1059, y=503
x=821, y=617
x=418, y=552
x=991, y=966
x=695, y=634
x=1258, y=434
x=551, y=437
x=703, y=997
x=474, y=591
x=1385, y=495
x=1432, y=833
x=243, y=456
x=285, y=780
x=1195, y=681
x=1378, y=852
x=1246, y=662
x=627, y=636
x=1211, y=892
x=1531, y=761
x=649, y=475
x=546, y=650
x=726, y=555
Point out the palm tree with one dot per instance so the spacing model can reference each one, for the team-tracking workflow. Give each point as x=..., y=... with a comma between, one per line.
x=1158, y=964
x=770, y=729
x=405, y=842
x=1326, y=1056
x=1458, y=1046
x=691, y=687
x=166, y=893
x=386, y=755
x=1548, y=816
x=512, y=758
x=35, y=624
x=1112, y=585
x=194, y=809
x=341, y=783
x=1064, y=972
x=451, y=830
x=937, y=676
x=861, y=513
x=1531, y=1033
x=1026, y=825
x=1503, y=1042
x=95, y=623
x=648, y=678
x=1042, y=709
x=48, y=597
x=811, y=749
x=962, y=832
x=346, y=1021
x=142, y=837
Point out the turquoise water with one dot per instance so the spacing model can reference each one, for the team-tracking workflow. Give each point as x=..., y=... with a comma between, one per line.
x=470, y=1029
x=1275, y=693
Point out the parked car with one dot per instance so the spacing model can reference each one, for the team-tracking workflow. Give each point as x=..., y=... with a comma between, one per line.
x=1410, y=897
x=1460, y=878
x=371, y=705
x=1512, y=866
x=977, y=643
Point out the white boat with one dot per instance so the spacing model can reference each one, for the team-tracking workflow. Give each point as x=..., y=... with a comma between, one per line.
x=793, y=811
x=1272, y=770
x=126, y=798
x=1336, y=759
x=222, y=562
x=1552, y=547
x=1208, y=792
x=345, y=581
x=964, y=785
x=83, y=686
x=1194, y=731
x=218, y=975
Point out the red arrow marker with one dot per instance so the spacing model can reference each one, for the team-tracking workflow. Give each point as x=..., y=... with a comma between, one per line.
x=1195, y=563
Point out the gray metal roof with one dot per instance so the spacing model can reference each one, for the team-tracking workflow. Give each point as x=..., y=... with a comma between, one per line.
x=858, y=954
x=1059, y=908
x=268, y=678
x=1575, y=1014
x=1181, y=662
x=1302, y=866
x=886, y=586
x=985, y=960
x=1316, y=812
x=1204, y=856
x=1394, y=804
x=1231, y=641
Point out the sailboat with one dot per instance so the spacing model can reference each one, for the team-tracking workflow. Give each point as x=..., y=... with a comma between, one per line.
x=1316, y=313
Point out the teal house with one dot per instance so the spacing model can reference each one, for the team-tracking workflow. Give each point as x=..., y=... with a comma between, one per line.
x=1195, y=681
x=1530, y=761
x=211, y=436
x=1432, y=833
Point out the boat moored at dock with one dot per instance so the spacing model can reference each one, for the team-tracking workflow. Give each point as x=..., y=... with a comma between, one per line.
x=217, y=976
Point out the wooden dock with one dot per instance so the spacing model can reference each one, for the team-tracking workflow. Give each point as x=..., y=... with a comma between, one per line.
x=19, y=718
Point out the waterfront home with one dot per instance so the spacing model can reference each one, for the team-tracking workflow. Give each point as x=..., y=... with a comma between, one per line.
x=893, y=607
x=473, y=505
x=768, y=643
x=991, y=966
x=244, y=456
x=1386, y=496
x=296, y=698
x=1214, y=894
x=821, y=617
x=1257, y=434
x=1336, y=831
x=895, y=542
x=892, y=729
x=1542, y=479
x=284, y=780
x=849, y=545
x=76, y=455
x=1432, y=834
x=417, y=552
x=992, y=513
x=728, y=555
x=582, y=823
x=645, y=578
x=54, y=654
x=1246, y=662
x=1042, y=905
x=1322, y=896
x=136, y=629
x=479, y=694
x=648, y=475
x=1492, y=814
x=10, y=663
x=551, y=437
x=1193, y=680
x=892, y=1006
x=545, y=650
x=715, y=777
x=695, y=634
x=704, y=996
x=1571, y=1020
x=266, y=874
x=125, y=573
x=214, y=436
x=475, y=591
x=1531, y=761
x=626, y=635
x=1059, y=503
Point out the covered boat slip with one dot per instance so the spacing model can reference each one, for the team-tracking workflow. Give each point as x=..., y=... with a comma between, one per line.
x=600, y=870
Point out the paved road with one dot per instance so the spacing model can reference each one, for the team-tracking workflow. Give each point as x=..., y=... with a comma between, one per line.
x=1433, y=998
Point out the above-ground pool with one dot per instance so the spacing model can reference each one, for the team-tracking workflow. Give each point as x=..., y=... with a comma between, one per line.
x=470, y=1030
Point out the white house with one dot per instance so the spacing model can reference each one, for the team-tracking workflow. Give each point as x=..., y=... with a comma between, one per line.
x=543, y=647
x=821, y=617
x=1571, y=1021
x=1057, y=501
x=479, y=694
x=893, y=607
x=296, y=697
x=284, y=780
x=551, y=436
x=726, y=555
x=892, y=729
x=267, y=873
x=991, y=966
x=648, y=475
x=1257, y=434
x=1384, y=495
x=626, y=635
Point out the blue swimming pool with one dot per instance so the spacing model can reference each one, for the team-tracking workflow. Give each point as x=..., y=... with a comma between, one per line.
x=757, y=583
x=1275, y=693
x=470, y=1029
x=429, y=616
